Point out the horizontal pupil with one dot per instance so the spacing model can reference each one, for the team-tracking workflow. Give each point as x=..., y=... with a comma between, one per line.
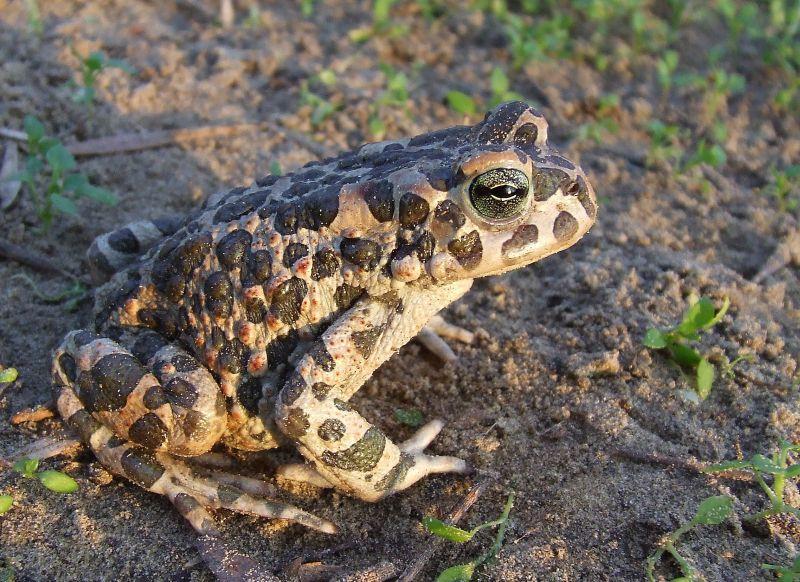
x=504, y=193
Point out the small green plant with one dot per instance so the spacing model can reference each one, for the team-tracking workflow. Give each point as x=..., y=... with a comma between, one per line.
x=6, y=501
x=34, y=17
x=785, y=187
x=464, y=572
x=91, y=67
x=603, y=123
x=381, y=23
x=49, y=161
x=707, y=153
x=410, y=417
x=8, y=375
x=700, y=316
x=307, y=7
x=761, y=467
x=665, y=145
x=395, y=95
x=712, y=511
x=501, y=88
x=321, y=108
x=55, y=481
x=460, y=102
x=253, y=19
x=787, y=573
x=665, y=70
x=275, y=168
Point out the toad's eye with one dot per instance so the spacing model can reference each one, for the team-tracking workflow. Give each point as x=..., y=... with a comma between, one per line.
x=500, y=193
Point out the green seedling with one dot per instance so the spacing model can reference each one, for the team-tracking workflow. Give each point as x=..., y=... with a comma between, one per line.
x=71, y=297
x=381, y=23
x=55, y=481
x=707, y=153
x=665, y=147
x=461, y=103
x=6, y=501
x=253, y=19
x=501, y=88
x=50, y=162
x=34, y=17
x=712, y=511
x=604, y=122
x=785, y=187
x=464, y=572
x=787, y=573
x=394, y=95
x=321, y=108
x=8, y=375
x=762, y=467
x=665, y=70
x=91, y=67
x=275, y=168
x=410, y=417
x=700, y=316
x=307, y=7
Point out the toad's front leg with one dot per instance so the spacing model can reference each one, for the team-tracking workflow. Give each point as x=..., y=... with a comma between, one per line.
x=312, y=409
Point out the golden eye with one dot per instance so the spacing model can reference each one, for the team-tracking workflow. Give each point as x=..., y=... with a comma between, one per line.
x=500, y=193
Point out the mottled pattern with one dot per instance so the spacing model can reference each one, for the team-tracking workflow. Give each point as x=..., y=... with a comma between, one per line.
x=253, y=320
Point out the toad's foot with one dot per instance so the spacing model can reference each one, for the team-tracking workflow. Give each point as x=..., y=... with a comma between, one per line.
x=432, y=337
x=191, y=493
x=413, y=449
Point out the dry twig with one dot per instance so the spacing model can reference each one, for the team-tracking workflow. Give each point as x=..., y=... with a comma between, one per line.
x=32, y=259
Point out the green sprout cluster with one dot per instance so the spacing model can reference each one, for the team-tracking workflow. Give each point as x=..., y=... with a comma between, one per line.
x=699, y=317
x=465, y=572
x=50, y=163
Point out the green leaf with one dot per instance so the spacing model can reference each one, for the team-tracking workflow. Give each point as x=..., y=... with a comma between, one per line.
x=6, y=501
x=705, y=378
x=461, y=103
x=121, y=64
x=58, y=481
x=98, y=194
x=765, y=465
x=446, y=531
x=684, y=355
x=63, y=204
x=460, y=573
x=793, y=471
x=726, y=303
x=727, y=466
x=74, y=182
x=26, y=467
x=95, y=61
x=412, y=417
x=713, y=510
x=699, y=314
x=34, y=128
x=8, y=375
x=498, y=81
x=59, y=158
x=655, y=339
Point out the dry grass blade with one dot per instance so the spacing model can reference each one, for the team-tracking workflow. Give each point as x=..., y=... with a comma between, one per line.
x=9, y=188
x=131, y=142
x=32, y=259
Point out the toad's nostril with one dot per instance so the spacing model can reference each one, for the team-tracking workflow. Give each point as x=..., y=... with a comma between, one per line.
x=573, y=189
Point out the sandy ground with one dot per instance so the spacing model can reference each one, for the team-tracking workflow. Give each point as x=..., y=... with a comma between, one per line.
x=557, y=399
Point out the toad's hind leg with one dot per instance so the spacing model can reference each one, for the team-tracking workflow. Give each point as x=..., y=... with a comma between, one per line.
x=135, y=420
x=114, y=250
